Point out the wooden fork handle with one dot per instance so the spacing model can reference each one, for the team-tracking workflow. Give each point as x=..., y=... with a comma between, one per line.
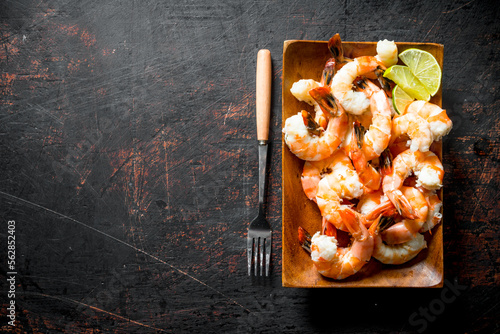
x=263, y=94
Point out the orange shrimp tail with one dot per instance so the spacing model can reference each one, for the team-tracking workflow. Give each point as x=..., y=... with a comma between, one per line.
x=402, y=204
x=381, y=224
x=323, y=96
x=328, y=228
x=383, y=209
x=368, y=175
x=304, y=239
x=328, y=72
x=371, y=178
x=354, y=151
x=305, y=116
x=350, y=219
x=312, y=127
x=386, y=159
x=336, y=48
x=374, y=227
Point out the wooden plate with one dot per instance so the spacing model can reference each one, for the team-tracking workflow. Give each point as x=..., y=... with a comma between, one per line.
x=305, y=60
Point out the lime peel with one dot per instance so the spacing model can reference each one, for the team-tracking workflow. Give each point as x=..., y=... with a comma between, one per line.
x=405, y=79
x=400, y=100
x=425, y=67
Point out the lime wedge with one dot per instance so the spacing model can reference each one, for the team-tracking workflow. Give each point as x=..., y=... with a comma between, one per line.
x=403, y=77
x=400, y=99
x=425, y=67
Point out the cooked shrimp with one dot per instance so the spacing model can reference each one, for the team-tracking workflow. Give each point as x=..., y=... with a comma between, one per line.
x=424, y=123
x=434, y=204
x=425, y=165
x=434, y=215
x=301, y=88
x=395, y=254
x=304, y=89
x=398, y=146
x=342, y=183
x=387, y=53
x=373, y=204
x=439, y=122
x=368, y=175
x=308, y=141
x=342, y=83
x=369, y=201
x=416, y=128
x=313, y=172
x=340, y=262
x=377, y=137
x=407, y=229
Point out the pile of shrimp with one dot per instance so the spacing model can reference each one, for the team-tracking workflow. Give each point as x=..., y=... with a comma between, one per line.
x=369, y=170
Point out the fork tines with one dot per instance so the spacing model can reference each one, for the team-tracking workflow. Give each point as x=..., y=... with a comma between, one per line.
x=259, y=250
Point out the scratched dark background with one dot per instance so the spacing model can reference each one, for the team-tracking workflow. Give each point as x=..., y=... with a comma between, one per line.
x=129, y=164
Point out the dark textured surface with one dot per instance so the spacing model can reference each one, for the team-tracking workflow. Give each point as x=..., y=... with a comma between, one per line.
x=129, y=163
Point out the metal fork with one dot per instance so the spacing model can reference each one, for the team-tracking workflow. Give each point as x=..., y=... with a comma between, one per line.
x=259, y=231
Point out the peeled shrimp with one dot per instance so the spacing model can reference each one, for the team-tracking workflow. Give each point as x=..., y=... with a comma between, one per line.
x=314, y=171
x=424, y=123
x=416, y=128
x=387, y=53
x=434, y=204
x=354, y=102
x=368, y=175
x=301, y=88
x=369, y=201
x=341, y=262
x=342, y=183
x=306, y=136
x=315, y=144
x=425, y=165
x=434, y=215
x=395, y=254
x=439, y=122
x=373, y=204
x=301, y=91
x=376, y=138
x=407, y=229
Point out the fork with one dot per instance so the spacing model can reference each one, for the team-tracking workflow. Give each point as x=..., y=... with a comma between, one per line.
x=259, y=231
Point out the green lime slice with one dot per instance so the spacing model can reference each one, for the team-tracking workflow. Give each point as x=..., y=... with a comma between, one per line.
x=425, y=67
x=400, y=100
x=403, y=77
